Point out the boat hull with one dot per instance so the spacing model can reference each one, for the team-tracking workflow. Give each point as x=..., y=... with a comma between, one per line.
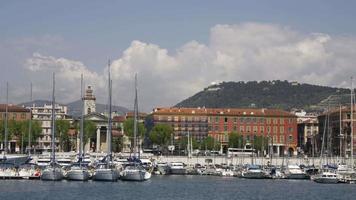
x=106, y=175
x=55, y=174
x=326, y=180
x=78, y=175
x=180, y=171
x=135, y=175
x=296, y=176
x=254, y=175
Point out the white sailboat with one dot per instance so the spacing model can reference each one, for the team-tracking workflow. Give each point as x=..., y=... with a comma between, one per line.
x=78, y=171
x=6, y=158
x=135, y=171
x=107, y=171
x=53, y=172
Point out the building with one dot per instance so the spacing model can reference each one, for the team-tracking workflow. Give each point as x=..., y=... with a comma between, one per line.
x=335, y=128
x=43, y=113
x=308, y=129
x=89, y=101
x=218, y=123
x=16, y=113
x=184, y=120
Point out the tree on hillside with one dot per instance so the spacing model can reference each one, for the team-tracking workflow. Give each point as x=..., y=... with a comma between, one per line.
x=62, y=128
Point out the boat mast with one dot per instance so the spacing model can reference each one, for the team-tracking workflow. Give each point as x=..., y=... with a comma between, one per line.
x=6, y=118
x=81, y=122
x=109, y=116
x=53, y=156
x=135, y=118
x=30, y=123
x=340, y=134
x=352, y=126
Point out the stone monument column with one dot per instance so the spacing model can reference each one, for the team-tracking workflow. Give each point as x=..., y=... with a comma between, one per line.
x=97, y=139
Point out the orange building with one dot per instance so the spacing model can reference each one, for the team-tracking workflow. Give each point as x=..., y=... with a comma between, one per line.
x=280, y=126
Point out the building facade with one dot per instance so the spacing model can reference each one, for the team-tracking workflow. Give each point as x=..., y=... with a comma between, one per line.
x=308, y=129
x=16, y=113
x=335, y=128
x=43, y=113
x=279, y=126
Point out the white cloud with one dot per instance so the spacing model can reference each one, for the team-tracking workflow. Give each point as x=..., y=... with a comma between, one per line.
x=248, y=51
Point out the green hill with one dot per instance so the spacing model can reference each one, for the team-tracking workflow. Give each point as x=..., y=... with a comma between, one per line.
x=267, y=94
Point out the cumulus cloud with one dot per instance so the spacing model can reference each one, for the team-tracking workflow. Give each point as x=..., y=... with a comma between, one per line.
x=247, y=51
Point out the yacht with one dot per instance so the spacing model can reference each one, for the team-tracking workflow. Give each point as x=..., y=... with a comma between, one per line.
x=326, y=177
x=79, y=171
x=43, y=162
x=254, y=172
x=136, y=171
x=107, y=171
x=29, y=171
x=295, y=172
x=177, y=168
x=53, y=172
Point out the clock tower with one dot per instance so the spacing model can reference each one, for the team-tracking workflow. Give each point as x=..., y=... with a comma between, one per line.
x=89, y=101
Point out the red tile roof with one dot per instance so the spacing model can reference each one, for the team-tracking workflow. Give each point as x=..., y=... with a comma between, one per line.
x=223, y=111
x=13, y=108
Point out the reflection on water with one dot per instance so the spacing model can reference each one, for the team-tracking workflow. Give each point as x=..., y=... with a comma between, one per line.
x=176, y=187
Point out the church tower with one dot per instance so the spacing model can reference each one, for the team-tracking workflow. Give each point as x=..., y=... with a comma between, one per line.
x=89, y=101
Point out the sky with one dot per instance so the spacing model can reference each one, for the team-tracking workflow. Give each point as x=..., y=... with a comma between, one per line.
x=177, y=48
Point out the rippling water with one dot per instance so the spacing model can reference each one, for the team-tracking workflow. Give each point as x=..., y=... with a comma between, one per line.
x=176, y=187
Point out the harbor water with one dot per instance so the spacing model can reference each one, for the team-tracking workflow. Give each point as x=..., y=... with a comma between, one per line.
x=176, y=187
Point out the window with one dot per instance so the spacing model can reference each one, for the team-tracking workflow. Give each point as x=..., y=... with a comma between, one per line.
x=290, y=138
x=248, y=129
x=216, y=119
x=235, y=119
x=281, y=129
x=262, y=129
x=281, y=120
x=182, y=118
x=262, y=120
x=290, y=129
x=248, y=138
x=254, y=120
x=274, y=121
x=225, y=128
x=274, y=129
x=242, y=129
x=268, y=120
x=242, y=120
x=235, y=128
x=281, y=138
x=225, y=119
x=275, y=139
x=216, y=128
x=268, y=129
x=255, y=129
x=175, y=118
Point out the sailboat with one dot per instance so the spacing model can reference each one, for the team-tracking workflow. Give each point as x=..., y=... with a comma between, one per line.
x=79, y=171
x=6, y=158
x=53, y=172
x=135, y=171
x=326, y=175
x=106, y=171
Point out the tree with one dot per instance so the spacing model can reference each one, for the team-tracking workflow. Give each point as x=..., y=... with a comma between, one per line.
x=117, y=143
x=89, y=131
x=62, y=128
x=236, y=140
x=209, y=143
x=36, y=130
x=129, y=131
x=129, y=128
x=161, y=134
x=260, y=143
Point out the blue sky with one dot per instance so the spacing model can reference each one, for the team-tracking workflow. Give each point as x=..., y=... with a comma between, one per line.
x=90, y=32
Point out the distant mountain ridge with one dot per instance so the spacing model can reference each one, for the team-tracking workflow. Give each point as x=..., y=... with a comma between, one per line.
x=267, y=94
x=74, y=108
